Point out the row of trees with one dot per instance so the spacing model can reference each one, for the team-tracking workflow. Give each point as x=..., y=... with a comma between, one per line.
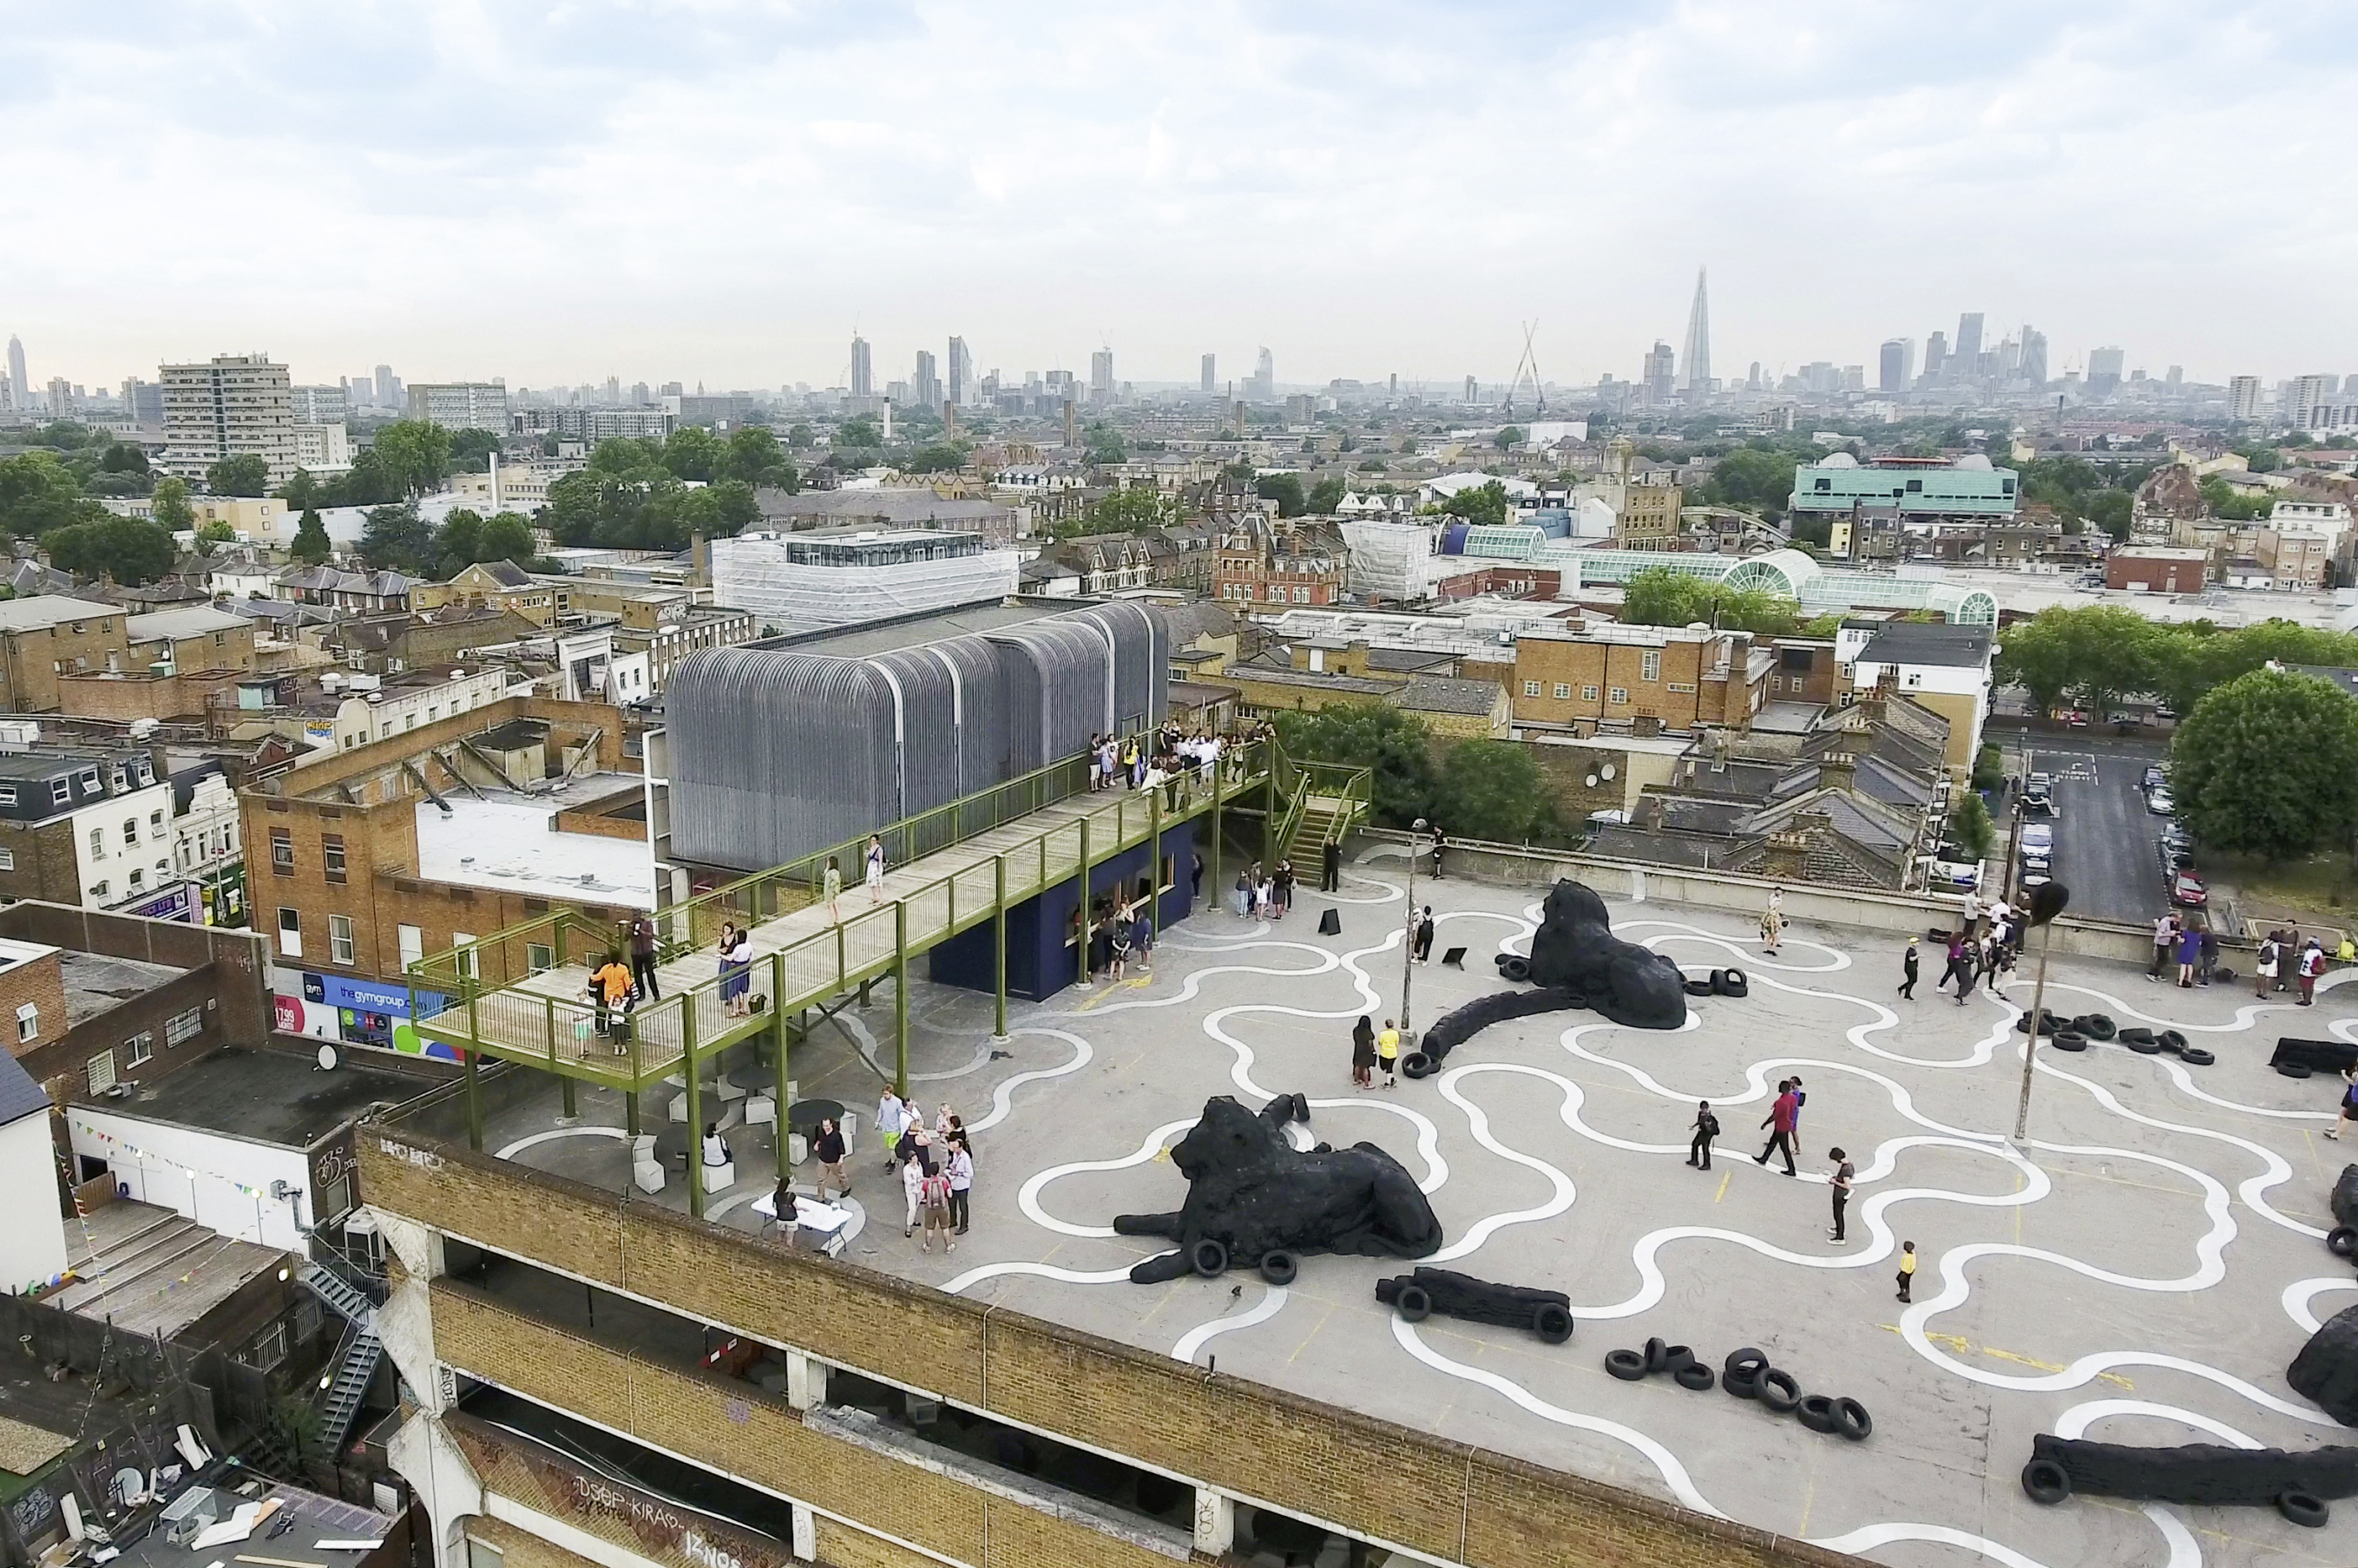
x=2101, y=652
x=1660, y=597
x=1474, y=789
x=398, y=539
x=655, y=494
x=2266, y=764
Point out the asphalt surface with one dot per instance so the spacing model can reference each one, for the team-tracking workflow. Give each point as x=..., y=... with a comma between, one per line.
x=2106, y=842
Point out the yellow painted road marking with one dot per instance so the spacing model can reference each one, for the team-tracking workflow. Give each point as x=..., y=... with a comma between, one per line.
x=1723, y=1187
x=1965, y=1347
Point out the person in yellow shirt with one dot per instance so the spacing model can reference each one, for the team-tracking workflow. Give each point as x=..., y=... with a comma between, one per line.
x=1907, y=1269
x=611, y=984
x=1388, y=1053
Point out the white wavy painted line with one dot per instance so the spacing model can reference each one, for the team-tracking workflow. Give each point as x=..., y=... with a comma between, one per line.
x=1754, y=958
x=865, y=1043
x=2184, y=1551
x=1272, y=1300
x=2075, y=1421
x=537, y=1139
x=2300, y=1293
x=1673, y=1473
x=1194, y=982
x=2246, y=1015
x=1027, y=1197
x=1391, y=891
x=1561, y=1196
x=1003, y=1094
x=974, y=1277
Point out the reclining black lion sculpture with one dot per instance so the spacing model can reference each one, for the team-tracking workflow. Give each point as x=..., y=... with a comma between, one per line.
x=1254, y=1198
x=1576, y=961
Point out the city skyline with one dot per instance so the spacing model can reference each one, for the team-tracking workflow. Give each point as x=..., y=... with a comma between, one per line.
x=632, y=171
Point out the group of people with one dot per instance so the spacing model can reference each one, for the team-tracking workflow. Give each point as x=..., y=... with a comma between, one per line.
x=1988, y=944
x=2286, y=961
x=1372, y=1049
x=935, y=1165
x=1122, y=933
x=1175, y=761
x=872, y=871
x=2193, y=948
x=1264, y=895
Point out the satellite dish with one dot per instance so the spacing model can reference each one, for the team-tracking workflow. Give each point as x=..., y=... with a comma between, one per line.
x=1605, y=771
x=326, y=1058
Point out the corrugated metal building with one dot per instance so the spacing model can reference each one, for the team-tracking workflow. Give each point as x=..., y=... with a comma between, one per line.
x=786, y=746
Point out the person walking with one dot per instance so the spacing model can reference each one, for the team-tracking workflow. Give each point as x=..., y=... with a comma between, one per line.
x=960, y=1170
x=1195, y=881
x=891, y=1120
x=1772, y=921
x=1782, y=1114
x=2165, y=942
x=933, y=1205
x=875, y=869
x=2312, y=965
x=832, y=891
x=1706, y=1128
x=1388, y=1054
x=2206, y=957
x=1142, y=937
x=1907, y=1269
x=829, y=1148
x=1425, y=935
x=2264, y=969
x=1439, y=843
x=1909, y=966
x=1330, y=867
x=2190, y=952
x=1363, y=1054
x=1965, y=977
x=1955, y=968
x=1843, y=1175
x=2349, y=1110
x=643, y=956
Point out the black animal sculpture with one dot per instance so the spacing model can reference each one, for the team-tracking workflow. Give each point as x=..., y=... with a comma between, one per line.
x=1254, y=1198
x=1576, y=961
x=2325, y=1371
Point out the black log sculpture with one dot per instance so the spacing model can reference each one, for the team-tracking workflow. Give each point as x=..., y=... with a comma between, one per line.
x=2316, y=1055
x=2325, y=1371
x=1547, y=1314
x=1576, y=961
x=1251, y=1195
x=2199, y=1473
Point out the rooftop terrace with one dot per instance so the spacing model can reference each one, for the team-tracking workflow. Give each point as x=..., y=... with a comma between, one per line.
x=2140, y=1270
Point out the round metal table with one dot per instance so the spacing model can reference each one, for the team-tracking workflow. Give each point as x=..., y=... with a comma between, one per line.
x=672, y=1143
x=804, y=1115
x=755, y=1078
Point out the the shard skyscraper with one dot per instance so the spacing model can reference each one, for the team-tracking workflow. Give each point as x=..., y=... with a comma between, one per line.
x=1697, y=358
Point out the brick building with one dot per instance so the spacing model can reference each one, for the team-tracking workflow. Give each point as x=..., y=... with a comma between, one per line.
x=2157, y=569
x=1269, y=568
x=51, y=635
x=388, y=644
x=360, y=863
x=1638, y=679
x=196, y=637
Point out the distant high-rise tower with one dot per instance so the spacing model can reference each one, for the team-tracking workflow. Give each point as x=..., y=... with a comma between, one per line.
x=1101, y=374
x=388, y=394
x=1752, y=380
x=1967, y=360
x=2243, y=397
x=1936, y=355
x=1659, y=379
x=2103, y=371
x=863, y=374
x=2034, y=356
x=961, y=373
x=20, y=390
x=1898, y=365
x=926, y=385
x=1698, y=350
x=1211, y=378
x=2303, y=400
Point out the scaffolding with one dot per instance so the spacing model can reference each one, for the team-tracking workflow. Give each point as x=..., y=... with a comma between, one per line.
x=802, y=582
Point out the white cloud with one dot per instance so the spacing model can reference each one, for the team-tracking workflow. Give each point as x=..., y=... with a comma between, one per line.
x=717, y=191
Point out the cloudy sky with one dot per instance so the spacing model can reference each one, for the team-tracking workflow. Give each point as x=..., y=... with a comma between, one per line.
x=708, y=190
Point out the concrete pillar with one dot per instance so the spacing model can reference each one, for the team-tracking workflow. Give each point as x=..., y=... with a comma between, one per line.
x=1215, y=1524
x=805, y=1542
x=805, y=1381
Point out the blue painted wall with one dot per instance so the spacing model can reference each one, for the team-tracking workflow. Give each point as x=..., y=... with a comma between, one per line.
x=1040, y=962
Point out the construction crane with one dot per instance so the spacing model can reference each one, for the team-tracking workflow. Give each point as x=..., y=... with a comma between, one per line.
x=1528, y=365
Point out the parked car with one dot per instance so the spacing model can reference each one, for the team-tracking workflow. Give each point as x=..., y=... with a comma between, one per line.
x=1962, y=876
x=2038, y=795
x=2038, y=838
x=2076, y=719
x=2154, y=777
x=2158, y=801
x=2186, y=891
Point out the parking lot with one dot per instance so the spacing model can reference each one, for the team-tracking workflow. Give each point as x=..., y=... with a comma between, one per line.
x=2106, y=842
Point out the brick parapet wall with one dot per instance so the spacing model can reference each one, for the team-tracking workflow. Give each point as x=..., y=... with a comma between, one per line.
x=1467, y=1504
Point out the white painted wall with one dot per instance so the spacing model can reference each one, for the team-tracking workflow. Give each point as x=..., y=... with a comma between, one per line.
x=32, y=1235
x=198, y=1174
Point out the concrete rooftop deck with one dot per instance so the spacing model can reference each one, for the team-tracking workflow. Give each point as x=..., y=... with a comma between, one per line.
x=2141, y=1271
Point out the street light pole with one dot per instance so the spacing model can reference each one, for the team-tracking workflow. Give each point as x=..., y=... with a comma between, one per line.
x=1408, y=941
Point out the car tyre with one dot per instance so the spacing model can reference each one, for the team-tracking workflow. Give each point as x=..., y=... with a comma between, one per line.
x=1278, y=1268
x=2045, y=1482
x=1816, y=1411
x=1516, y=967
x=2307, y=1511
x=1778, y=1390
x=1657, y=1356
x=2069, y=1040
x=1553, y=1322
x=1413, y=1303
x=1625, y=1365
x=2196, y=1056
x=1852, y=1420
x=1694, y=1375
x=2341, y=1241
x=1209, y=1257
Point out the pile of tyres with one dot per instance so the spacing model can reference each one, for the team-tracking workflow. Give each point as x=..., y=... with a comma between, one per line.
x=1746, y=1374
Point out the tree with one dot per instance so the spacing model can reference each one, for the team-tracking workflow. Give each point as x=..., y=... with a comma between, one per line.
x=312, y=546
x=1324, y=496
x=1969, y=825
x=1103, y=443
x=2109, y=510
x=1660, y=597
x=1479, y=504
x=472, y=449
x=121, y=459
x=130, y=550
x=1372, y=735
x=2268, y=765
x=1754, y=478
x=1132, y=509
x=1285, y=489
x=212, y=534
x=2098, y=654
x=172, y=511
x=395, y=538
x=507, y=538
x=1489, y=789
x=800, y=438
x=415, y=454
x=248, y=473
x=859, y=432
x=752, y=455
x=691, y=453
x=942, y=457
x=1507, y=438
x=38, y=493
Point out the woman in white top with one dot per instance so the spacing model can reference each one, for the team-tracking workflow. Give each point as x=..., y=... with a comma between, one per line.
x=875, y=869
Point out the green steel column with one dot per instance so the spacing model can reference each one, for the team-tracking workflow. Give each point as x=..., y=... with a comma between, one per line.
x=695, y=1105
x=900, y=997
x=779, y=1129
x=1081, y=954
x=474, y=1102
x=566, y=1081
x=1269, y=815
x=998, y=941
x=630, y=1112
x=1220, y=774
x=1154, y=861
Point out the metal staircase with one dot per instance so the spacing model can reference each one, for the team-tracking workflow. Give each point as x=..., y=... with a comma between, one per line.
x=362, y=1352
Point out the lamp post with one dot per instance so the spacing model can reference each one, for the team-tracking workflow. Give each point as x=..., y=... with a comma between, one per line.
x=1408, y=942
